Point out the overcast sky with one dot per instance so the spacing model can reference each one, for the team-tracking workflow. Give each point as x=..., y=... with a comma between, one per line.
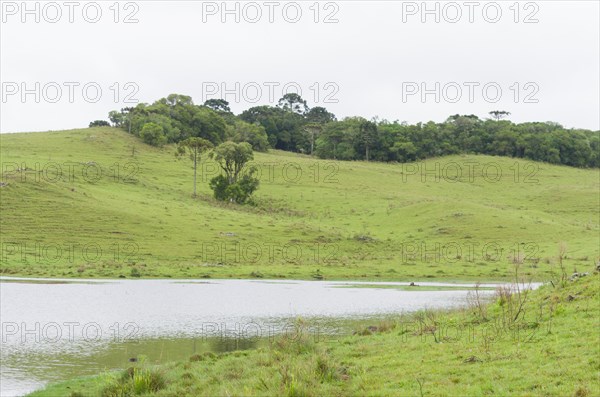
x=538, y=60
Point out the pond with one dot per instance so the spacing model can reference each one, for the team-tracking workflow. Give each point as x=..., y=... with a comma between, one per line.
x=56, y=329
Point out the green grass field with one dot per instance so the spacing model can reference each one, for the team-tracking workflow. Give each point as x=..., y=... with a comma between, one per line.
x=96, y=203
x=552, y=349
x=99, y=203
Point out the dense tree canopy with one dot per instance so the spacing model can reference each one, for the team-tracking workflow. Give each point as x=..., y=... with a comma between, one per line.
x=99, y=123
x=293, y=126
x=354, y=139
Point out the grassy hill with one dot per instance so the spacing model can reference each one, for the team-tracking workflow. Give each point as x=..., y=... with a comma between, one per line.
x=119, y=208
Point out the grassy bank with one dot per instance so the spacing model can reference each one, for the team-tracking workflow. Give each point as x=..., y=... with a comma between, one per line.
x=541, y=343
x=98, y=203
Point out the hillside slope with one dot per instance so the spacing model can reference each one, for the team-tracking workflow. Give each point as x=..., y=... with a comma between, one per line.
x=99, y=203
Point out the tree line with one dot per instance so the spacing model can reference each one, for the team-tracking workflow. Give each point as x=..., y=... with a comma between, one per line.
x=292, y=126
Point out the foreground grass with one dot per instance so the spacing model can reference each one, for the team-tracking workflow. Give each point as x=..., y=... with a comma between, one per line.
x=119, y=208
x=551, y=349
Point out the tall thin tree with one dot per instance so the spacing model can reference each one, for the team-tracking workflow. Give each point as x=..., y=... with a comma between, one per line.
x=195, y=147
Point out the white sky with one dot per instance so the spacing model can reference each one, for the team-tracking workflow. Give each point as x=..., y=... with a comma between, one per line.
x=366, y=62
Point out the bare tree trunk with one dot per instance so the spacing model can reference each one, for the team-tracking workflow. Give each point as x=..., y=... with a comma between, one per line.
x=195, y=167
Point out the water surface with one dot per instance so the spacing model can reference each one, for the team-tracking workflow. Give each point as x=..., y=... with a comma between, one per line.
x=54, y=329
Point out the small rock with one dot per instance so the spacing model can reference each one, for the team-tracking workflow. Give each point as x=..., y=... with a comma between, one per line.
x=363, y=237
x=575, y=276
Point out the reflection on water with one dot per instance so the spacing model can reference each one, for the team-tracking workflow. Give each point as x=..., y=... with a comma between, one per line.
x=54, y=330
x=25, y=372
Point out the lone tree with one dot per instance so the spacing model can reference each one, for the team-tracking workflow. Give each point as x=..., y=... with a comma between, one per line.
x=235, y=186
x=195, y=147
x=499, y=114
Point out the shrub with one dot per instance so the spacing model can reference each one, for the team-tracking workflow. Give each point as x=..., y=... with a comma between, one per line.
x=238, y=192
x=135, y=381
x=153, y=134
